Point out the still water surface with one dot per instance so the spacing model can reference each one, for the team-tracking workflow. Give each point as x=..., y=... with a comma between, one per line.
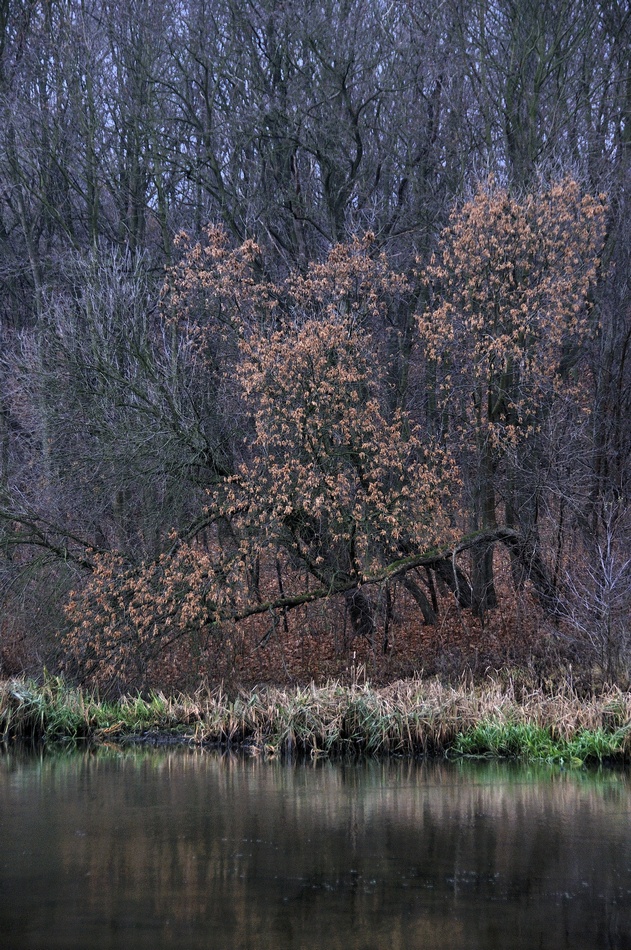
x=183, y=849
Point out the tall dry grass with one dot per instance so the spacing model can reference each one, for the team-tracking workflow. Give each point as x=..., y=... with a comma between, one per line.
x=409, y=717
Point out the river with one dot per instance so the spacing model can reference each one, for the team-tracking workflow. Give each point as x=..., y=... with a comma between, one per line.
x=178, y=848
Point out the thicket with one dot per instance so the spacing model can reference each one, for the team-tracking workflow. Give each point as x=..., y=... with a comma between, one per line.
x=288, y=381
x=404, y=718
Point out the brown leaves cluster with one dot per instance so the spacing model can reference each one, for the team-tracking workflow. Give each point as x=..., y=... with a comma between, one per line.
x=509, y=288
x=330, y=477
x=129, y=614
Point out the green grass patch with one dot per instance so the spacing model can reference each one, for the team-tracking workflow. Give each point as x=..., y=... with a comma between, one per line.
x=532, y=742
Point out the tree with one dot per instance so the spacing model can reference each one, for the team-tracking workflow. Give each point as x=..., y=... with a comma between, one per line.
x=505, y=332
x=345, y=493
x=598, y=593
x=243, y=443
x=533, y=69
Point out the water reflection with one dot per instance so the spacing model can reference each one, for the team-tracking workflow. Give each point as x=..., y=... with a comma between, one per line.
x=188, y=849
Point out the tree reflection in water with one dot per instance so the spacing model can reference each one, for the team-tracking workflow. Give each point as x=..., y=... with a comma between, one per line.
x=190, y=849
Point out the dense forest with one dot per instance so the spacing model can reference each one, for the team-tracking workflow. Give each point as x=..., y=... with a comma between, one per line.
x=315, y=332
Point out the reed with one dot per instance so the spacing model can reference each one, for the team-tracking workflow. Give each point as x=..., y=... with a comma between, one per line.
x=410, y=717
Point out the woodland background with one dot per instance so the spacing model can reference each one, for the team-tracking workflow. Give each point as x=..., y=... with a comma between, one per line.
x=315, y=322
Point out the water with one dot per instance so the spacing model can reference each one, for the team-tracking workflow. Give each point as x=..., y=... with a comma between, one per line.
x=181, y=849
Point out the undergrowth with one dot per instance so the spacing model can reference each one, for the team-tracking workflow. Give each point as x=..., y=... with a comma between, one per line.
x=410, y=717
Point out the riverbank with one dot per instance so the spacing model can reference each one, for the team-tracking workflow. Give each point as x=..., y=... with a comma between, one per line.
x=408, y=718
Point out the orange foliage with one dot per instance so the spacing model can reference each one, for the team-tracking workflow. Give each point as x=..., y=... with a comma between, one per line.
x=510, y=284
x=330, y=478
x=327, y=484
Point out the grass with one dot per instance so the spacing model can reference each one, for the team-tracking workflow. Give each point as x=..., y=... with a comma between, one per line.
x=410, y=717
x=55, y=712
x=528, y=741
